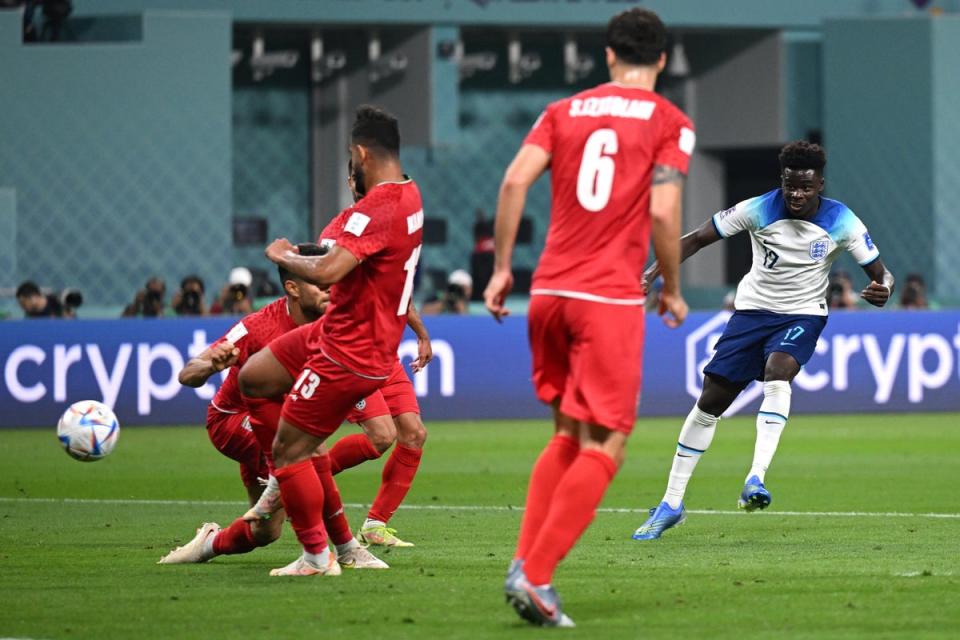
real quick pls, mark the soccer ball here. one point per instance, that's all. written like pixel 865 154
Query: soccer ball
pixel 88 430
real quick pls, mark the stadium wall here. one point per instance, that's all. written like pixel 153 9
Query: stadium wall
pixel 891 90
pixel 120 154
pixel 864 362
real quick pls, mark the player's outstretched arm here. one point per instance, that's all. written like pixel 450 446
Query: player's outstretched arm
pixel 212 360
pixel 666 195
pixel 704 235
pixel 424 348
pixel 528 165
pixel 323 271
pixel 880 289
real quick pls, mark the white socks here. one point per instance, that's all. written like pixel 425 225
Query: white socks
pixel 695 438
pixel 771 419
pixel 372 523
pixel 347 546
pixel 318 560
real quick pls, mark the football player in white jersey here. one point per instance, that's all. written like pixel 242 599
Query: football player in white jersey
pixel 780 311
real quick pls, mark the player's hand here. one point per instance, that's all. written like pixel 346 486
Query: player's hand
pixel 223 355
pixel 650 276
pixel 673 309
pixel 495 295
pixel 279 247
pixel 424 355
pixel 876 294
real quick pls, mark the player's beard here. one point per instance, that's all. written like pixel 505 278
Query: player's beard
pixel 359 186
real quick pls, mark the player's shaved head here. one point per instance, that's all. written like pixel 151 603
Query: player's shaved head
pixel 637 37
pixel 376 129
pixel 801 155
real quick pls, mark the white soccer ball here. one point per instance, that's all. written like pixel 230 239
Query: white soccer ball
pixel 88 430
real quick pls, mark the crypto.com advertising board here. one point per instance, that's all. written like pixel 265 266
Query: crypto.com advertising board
pixel 865 362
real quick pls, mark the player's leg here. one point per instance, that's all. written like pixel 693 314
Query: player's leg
pixel 738 359
pixel 404 461
pixel 379 432
pixel 317 404
pixel 397 478
pixel 264 375
pixel 550 348
pixel 350 553
pixel 602 394
pixel 791 345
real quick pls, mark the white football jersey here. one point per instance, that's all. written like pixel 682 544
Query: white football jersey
pixel 792 257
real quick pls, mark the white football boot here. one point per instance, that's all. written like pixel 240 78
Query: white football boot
pixel 360 558
pixel 197 550
pixel 302 567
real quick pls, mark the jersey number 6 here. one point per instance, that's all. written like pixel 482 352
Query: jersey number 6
pixel 595 180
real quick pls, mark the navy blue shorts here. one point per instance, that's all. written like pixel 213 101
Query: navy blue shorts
pixel 751 336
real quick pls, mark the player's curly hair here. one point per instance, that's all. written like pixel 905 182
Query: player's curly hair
pixel 801 154
pixel 637 36
pixel 375 127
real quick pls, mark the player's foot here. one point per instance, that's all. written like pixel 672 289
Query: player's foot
pixel 268 504
pixel 197 550
pixel 661 518
pixel 537 605
pixel 379 535
pixel 754 495
pixel 302 567
pixel 361 558
pixel 515 566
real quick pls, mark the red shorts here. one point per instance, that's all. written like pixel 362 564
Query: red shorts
pixel 590 355
pixel 396 396
pixel 323 395
pixel 230 433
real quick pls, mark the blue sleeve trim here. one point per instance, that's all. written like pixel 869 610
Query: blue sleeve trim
pixel 870 261
pixel 713 219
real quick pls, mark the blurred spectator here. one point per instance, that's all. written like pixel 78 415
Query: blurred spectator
pixel 456 299
pixel 235 297
pixel 189 301
pixel 482 232
pixel 37 305
pixel 914 293
pixel 840 293
pixel 729 301
pixel 149 301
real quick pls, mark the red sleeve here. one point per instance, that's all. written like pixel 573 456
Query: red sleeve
pixel 677 142
pixel 541 134
pixel 364 234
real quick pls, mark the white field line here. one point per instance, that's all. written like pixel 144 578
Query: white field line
pixel 440 507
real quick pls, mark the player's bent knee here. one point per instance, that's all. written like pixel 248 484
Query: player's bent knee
pixel 410 430
pixel 381 432
pixel 291 445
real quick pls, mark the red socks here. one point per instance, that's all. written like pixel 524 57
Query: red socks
pixel 302 494
pixel 237 538
pixel 553 462
pixel 338 528
pixel 397 477
pixel 572 509
pixel 351 451
pixel 264 421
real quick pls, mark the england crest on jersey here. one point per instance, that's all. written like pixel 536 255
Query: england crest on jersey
pixel 819 248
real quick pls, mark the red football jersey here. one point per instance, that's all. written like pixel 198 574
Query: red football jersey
pixel 250 335
pixel 364 322
pixel 604 143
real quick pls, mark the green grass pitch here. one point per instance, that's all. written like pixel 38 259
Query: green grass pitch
pixel 78 542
